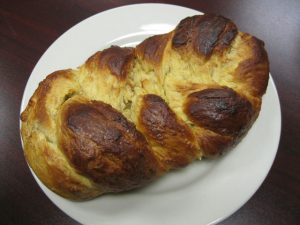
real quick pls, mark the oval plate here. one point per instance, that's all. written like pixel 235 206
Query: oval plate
pixel 205 192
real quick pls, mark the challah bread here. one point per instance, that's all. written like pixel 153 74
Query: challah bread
pixel 129 115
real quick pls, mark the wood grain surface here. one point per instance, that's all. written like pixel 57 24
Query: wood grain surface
pixel 28 27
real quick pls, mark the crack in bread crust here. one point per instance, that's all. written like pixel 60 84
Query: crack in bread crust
pixel 129 115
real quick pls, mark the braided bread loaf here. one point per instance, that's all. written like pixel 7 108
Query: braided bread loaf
pixel 128 115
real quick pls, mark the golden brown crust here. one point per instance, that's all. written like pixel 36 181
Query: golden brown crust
pixel 214 144
pixel 39 134
pixel 128 115
pixel 151 49
pixel 253 70
pixel 115 59
pixel 161 126
pixel 42 94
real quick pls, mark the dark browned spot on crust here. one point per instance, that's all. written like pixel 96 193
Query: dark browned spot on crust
pixel 152 48
pixel 226 36
pixel 205 33
pixel 117 60
pixel 184 32
pixel 160 124
pixel 220 110
pixel 254 70
pixel 102 144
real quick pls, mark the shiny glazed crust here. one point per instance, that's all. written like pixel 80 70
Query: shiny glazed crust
pixel 129 115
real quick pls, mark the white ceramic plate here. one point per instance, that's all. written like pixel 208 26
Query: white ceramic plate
pixel 203 193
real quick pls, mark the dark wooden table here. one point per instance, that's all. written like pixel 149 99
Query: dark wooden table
pixel 28 27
